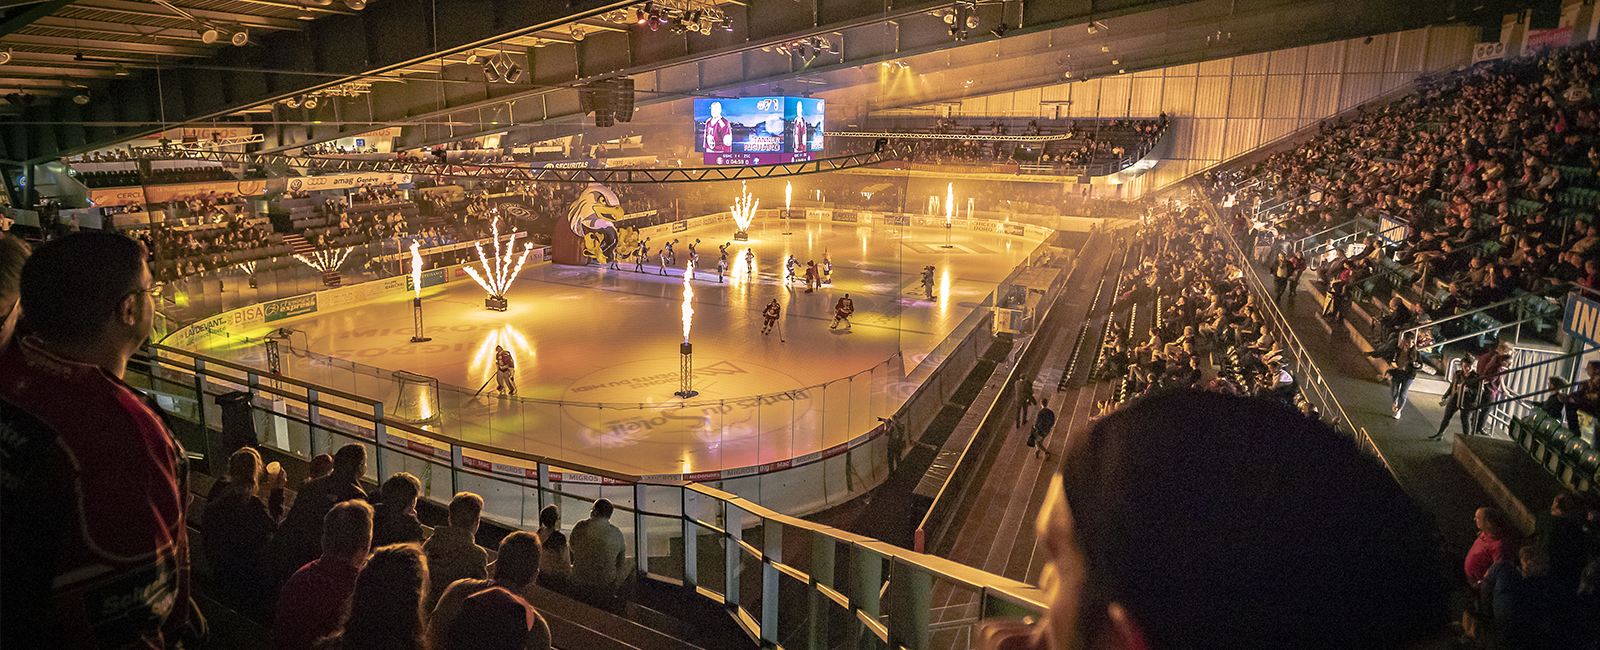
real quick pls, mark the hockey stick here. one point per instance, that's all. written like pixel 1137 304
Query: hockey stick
pixel 485 385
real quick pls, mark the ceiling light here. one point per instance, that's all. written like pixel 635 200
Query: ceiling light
pixel 972 21
pixel 705 28
pixel 311 101
pixel 5 57
pixel 210 35
pixel 950 18
pixel 292 102
pixel 577 33
pixel 356 5
pixel 240 38
pixel 472 58
pixel 81 97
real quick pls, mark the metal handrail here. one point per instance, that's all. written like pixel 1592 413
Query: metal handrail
pixel 1419 327
pixel 1300 243
pixel 1441 344
pixel 1569 355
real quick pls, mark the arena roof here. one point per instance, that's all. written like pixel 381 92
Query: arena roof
pixel 136 68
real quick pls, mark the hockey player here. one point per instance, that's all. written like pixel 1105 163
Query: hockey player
pixel 722 262
pixel 827 268
pixel 813 276
pixel 641 255
pixel 842 311
pixel 789 266
pixel 927 281
pixel 504 370
pixel 770 315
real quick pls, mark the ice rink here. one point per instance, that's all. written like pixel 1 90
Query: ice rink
pixel 597 350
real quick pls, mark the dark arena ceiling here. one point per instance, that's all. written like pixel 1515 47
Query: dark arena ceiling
pixel 85 74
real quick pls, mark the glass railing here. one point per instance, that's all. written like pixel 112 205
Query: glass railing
pixel 786 580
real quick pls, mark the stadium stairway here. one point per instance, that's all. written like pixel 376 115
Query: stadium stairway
pixel 299 246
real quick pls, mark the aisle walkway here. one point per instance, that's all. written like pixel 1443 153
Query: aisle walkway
pixel 1424 468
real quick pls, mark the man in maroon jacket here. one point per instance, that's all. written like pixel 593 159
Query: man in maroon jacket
pixel 93 484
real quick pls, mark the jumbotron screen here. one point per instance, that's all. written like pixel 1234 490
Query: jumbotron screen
pixel 762 127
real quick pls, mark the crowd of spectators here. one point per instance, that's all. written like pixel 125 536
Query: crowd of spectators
pixel 1207 331
pixel 1090 143
pixel 175 253
pixel 1495 172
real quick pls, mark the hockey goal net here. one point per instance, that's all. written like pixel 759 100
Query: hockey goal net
pixel 415 398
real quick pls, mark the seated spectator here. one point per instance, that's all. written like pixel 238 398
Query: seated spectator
pixel 555 563
pixel 315 599
pixel 1497 540
pixel 1561 533
pixel 385 604
pixel 297 539
pixel 493 619
pixel 515 570
pixel 1524 605
pixel 94 525
pixel 394 519
pixel 1329 560
pixel 238 528
pixel 599 557
pixel 452 552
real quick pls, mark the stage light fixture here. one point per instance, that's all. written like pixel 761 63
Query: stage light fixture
pixel 999 31
pixel 81 97
pixel 705 28
pixel 356 5
pixel 210 35
pixel 972 22
pixel 292 102
pixel 240 38
pixel 311 101
pixel 642 16
pixel 319 3
pixel 120 70
pixel 577 33
pixel 472 58
pixel 5 56
pixel 950 18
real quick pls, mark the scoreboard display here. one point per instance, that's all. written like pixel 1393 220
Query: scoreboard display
pixel 758 130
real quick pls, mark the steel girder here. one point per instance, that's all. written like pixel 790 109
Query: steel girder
pixel 520 173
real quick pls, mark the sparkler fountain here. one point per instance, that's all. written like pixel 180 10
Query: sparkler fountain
pixel 788 189
pixel 327 262
pixel 498 276
pixel 686 350
pixel 949 206
pixel 416 298
pixel 744 212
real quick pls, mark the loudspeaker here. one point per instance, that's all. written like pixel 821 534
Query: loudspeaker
pixel 622 99
pixel 585 100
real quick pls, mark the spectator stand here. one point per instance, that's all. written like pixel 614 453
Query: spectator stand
pixel 1040 146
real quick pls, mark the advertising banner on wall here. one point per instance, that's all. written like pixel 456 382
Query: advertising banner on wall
pixel 289 307
pixel 116 196
pixel 1539 39
pixel 345 181
pixel 164 193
